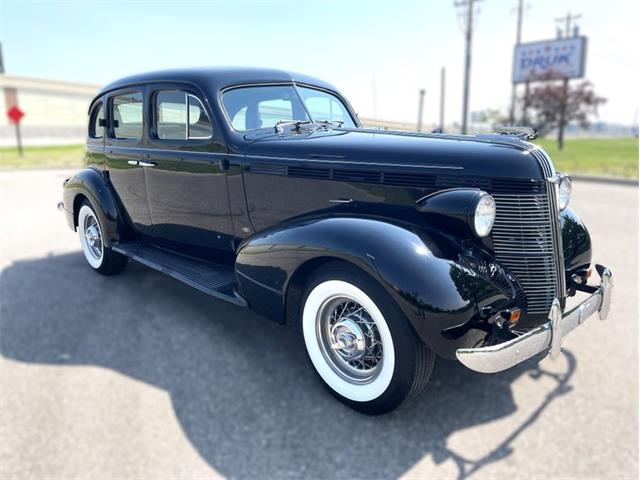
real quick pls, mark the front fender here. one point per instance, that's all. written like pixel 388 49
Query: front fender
pixel 576 242
pixel 93 184
pixel 419 269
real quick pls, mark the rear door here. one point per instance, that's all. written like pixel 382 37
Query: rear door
pixel 186 181
pixel 123 152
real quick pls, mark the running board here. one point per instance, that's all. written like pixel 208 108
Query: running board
pixel 213 279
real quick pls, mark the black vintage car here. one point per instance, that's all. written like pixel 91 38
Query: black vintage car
pixel 385 249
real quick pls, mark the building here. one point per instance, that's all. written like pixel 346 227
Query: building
pixel 55 111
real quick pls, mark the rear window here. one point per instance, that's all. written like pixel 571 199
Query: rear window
pixel 127 116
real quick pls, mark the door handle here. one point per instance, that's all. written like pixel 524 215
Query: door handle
pixel 142 163
pixel 132 162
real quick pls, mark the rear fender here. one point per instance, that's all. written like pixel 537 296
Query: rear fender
pixel 95 186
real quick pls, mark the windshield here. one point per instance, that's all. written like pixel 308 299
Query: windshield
pixel 251 108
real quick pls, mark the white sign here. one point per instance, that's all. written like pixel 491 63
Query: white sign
pixel 549 60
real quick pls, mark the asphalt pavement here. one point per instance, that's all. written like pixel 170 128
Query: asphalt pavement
pixel 138 376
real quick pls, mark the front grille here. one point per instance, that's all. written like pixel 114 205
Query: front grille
pixel 523 242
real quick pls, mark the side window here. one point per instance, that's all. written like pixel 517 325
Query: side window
pixel 199 123
pixel 180 116
pixel 127 116
pixel 96 122
pixel 171 115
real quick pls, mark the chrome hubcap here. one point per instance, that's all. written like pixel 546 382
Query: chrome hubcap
pixel 347 339
pixel 350 340
pixel 92 237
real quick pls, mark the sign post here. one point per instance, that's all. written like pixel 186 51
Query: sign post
pixel 15 114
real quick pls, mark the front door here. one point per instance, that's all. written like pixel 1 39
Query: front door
pixel 186 183
pixel 122 154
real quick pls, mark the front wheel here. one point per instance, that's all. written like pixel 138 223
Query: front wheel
pixel 100 257
pixel 360 342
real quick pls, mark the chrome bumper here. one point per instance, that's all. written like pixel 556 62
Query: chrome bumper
pixel 548 337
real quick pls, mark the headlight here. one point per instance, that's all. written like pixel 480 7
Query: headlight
pixel 564 192
pixel 485 215
pixel 465 210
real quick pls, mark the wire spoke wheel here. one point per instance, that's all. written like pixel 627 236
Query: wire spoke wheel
pixel 350 339
pixel 91 236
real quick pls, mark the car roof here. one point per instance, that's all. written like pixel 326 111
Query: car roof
pixel 213 79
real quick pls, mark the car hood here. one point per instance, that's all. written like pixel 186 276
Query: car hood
pixel 487 156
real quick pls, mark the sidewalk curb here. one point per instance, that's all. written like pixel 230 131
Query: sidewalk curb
pixel 611 180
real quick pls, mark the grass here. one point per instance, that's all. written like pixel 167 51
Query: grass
pixel 617 157
pixel 593 156
pixel 42 157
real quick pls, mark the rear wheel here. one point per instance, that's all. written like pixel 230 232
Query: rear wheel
pixel 99 256
pixel 359 341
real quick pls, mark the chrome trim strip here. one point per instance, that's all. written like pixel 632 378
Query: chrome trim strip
pixel 548 337
pixel 288 159
pixel 314 160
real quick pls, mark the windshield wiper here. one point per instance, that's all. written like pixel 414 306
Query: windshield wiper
pixel 295 123
pixel 330 122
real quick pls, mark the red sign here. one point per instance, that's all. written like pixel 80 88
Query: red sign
pixel 15 114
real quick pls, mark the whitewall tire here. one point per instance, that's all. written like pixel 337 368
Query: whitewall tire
pixel 91 233
pixel 343 295
pixel 359 341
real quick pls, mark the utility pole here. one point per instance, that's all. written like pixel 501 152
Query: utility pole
pixel 374 98
pixel 420 108
pixel 512 111
pixel 567 19
pixel 468 33
pixel 442 80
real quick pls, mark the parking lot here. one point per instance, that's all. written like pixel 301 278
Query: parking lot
pixel 139 376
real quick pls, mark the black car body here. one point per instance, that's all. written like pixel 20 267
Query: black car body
pixel 248 208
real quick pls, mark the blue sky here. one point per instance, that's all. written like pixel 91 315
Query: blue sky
pixel 379 53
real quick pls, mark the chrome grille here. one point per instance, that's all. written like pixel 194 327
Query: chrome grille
pixel 523 238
